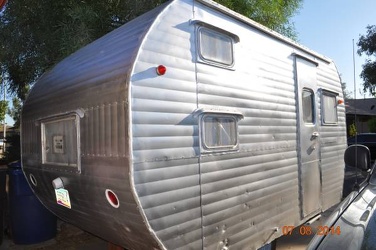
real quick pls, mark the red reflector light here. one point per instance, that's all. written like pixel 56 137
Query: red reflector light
pixel 112 198
pixel 340 101
pixel 161 70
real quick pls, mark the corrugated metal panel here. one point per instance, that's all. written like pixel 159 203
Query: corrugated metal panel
pixel 165 133
pixel 94 81
pixel 239 190
pixel 332 141
pixel 188 199
pixel 104 131
pixel 247 195
pixel 30 138
pixel 93 76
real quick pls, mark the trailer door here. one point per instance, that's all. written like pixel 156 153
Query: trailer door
pixel 309 172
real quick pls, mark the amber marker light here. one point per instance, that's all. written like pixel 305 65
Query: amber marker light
pixel 161 70
pixel 340 101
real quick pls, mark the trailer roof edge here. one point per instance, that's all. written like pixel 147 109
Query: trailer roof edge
pixel 262 28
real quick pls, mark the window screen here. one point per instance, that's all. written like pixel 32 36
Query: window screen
pixel 60 141
pixel 219 132
pixel 329 108
pixel 308 106
pixel 215 47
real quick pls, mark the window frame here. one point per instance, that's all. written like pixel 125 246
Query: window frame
pixel 325 93
pixel 75 119
pixel 221 148
pixel 200 47
pixel 313 112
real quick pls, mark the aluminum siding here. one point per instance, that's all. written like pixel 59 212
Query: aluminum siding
pixel 248 195
pixel 93 80
pixel 188 200
pixel 164 131
pixel 332 141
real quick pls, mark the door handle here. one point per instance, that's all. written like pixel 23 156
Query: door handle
pixel 314 135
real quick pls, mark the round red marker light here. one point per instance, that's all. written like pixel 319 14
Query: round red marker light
pixel 112 198
pixel 2 3
pixel 161 70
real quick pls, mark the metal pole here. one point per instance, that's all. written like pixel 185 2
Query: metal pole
pixel 356 185
pixel 354 89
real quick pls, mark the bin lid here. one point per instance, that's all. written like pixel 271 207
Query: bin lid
pixel 14 164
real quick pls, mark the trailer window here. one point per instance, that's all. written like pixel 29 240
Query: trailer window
pixel 329 108
pixel 308 106
pixel 215 47
pixel 60 141
pixel 219 132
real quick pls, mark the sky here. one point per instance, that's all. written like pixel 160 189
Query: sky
pixel 329 28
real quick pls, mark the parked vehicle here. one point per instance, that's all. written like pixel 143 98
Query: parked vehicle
pixel 189 127
pixel 353 224
pixel 366 139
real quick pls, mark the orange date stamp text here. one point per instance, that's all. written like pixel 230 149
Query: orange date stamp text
pixel 308 230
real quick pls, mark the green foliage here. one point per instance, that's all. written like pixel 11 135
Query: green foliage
pixel 274 14
pixel 3 109
pixel 372 125
pixel 13 151
pixel 367 45
pixel 15 111
pixel 346 93
pixel 36 34
pixel 352 130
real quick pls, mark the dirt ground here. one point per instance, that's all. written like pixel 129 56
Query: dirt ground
pixel 68 237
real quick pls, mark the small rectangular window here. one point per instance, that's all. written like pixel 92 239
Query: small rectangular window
pixel 219 132
pixel 215 47
pixel 329 108
pixel 308 102
pixel 60 141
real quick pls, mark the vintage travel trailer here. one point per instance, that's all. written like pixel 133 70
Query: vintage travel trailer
pixel 190 127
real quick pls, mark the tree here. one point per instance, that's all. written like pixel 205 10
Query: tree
pixel 3 104
pixel 346 93
pixel 367 45
pixel 3 109
pixel 36 34
pixel 372 125
pixel 273 14
pixel 352 129
pixel 15 111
